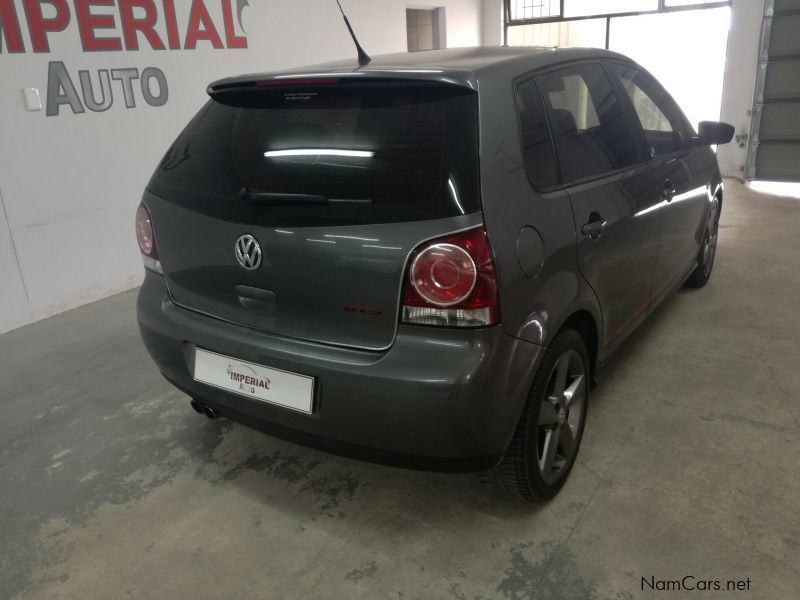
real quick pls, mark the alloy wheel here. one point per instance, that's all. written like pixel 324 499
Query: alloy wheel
pixel 560 416
pixel 710 245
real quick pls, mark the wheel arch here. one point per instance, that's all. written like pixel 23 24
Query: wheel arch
pixel 585 324
pixel 717 195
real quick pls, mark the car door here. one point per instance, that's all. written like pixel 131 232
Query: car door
pixel 600 156
pixel 682 202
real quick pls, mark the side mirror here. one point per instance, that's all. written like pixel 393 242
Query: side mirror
pixel 713 133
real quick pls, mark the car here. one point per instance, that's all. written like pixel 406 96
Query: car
pixel 425 260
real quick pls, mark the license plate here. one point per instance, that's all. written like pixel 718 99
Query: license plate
pixel 254 381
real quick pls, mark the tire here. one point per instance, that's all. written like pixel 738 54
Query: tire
pixel 708 251
pixel 551 421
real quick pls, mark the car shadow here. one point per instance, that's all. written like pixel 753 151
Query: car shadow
pixel 314 486
pixel 311 485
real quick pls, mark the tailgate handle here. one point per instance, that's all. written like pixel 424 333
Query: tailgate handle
pixel 256 299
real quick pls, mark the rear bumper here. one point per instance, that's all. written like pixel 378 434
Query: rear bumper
pixel 437 399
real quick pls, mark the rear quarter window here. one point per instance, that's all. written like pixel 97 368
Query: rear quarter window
pixel 537 144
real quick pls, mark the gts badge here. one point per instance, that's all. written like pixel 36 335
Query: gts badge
pixel 364 310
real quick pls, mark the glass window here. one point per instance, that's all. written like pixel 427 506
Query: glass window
pixel 662 121
pixel 581 8
pixel 592 129
pixel 572 95
pixel 650 116
pixel 701 45
pixel 357 153
pixel 534 9
pixel 537 146
pixel 585 33
pixel 422 27
pixel 688 2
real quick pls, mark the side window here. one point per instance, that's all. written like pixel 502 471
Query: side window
pixel 537 145
pixel 592 127
pixel 662 121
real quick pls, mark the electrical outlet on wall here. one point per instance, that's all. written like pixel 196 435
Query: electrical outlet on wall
pixel 33 101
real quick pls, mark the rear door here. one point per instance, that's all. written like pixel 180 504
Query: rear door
pixel 682 201
pixel 612 197
pixel 335 182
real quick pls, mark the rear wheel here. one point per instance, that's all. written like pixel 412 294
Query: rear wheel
pixel 549 432
pixel 708 252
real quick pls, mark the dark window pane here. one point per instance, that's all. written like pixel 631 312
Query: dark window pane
pixel 663 123
pixel 592 129
pixel 406 152
pixel 537 146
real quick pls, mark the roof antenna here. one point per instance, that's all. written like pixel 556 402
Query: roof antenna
pixel 363 57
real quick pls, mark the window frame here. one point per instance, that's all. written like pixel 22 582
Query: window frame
pixel 633 120
pixel 662 8
pixel 550 16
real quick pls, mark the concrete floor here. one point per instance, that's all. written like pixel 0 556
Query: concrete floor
pixel 111 487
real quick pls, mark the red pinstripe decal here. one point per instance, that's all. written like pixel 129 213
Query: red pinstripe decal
pixel 643 307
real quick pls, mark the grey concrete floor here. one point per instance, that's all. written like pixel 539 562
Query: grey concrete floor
pixel 111 487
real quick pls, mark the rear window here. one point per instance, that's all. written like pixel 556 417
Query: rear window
pixel 338 154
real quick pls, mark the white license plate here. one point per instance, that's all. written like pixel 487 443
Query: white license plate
pixel 254 381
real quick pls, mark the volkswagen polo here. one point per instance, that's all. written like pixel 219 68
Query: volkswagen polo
pixel 427 260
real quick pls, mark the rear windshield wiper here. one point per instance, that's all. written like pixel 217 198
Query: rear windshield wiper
pixel 278 198
pixel 358 201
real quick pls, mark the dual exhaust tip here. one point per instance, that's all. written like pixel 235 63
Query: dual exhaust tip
pixel 203 409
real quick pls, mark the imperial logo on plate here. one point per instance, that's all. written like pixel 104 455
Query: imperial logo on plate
pixel 247 378
pixel 258 382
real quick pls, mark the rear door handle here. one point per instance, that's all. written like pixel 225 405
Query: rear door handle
pixel 595 227
pixel 668 191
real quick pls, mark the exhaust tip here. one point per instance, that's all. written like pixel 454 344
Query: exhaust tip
pixel 210 412
pixel 196 406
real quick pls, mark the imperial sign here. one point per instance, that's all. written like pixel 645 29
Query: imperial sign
pixel 128 24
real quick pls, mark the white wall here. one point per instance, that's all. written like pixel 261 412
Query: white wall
pixel 70 184
pixel 739 83
pixel 492 23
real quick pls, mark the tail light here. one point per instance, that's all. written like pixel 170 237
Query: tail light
pixel 451 282
pixel 147 241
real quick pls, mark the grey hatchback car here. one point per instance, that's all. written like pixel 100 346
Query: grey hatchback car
pixel 425 261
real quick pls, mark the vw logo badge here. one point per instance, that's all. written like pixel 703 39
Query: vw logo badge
pixel 248 252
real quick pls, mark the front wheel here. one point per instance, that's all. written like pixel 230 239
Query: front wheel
pixel 708 252
pixel 548 435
